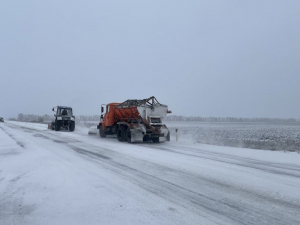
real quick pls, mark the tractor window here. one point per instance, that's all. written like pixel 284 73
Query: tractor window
pixel 64 112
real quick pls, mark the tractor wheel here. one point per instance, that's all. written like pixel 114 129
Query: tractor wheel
pixel 128 135
pixel 72 126
pixel 57 125
pixel 121 134
pixel 101 132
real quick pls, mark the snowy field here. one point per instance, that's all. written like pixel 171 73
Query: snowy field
pixel 49 177
pixel 269 136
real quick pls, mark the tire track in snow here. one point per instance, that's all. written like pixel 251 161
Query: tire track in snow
pixel 275 168
pixel 203 197
pixel 216 202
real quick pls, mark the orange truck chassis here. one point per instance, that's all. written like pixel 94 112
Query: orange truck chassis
pixel 135 120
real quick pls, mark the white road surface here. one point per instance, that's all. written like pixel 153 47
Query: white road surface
pixel 49 177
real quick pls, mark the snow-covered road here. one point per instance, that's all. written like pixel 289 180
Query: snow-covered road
pixel 49 177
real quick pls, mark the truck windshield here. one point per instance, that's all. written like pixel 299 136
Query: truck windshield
pixel 155 120
pixel 64 112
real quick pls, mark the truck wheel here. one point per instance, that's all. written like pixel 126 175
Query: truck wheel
pixel 57 125
pixel 155 139
pixel 145 138
pixel 121 134
pixel 128 135
pixel 101 132
pixel 72 126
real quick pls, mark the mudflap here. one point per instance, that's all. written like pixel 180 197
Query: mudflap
pixel 162 139
pixel 164 130
pixel 137 135
pixel 168 138
pixel 93 130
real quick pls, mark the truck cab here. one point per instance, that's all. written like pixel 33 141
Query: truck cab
pixel 107 118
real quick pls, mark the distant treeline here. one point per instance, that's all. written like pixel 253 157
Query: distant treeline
pixel 46 118
pixel 228 119
pixel 31 117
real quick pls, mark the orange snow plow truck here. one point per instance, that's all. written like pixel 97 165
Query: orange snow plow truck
pixel 135 121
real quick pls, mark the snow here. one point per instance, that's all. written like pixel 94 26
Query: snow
pixel 93 130
pixel 49 177
pixel 269 136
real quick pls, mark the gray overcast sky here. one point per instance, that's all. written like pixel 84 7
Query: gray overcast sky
pixel 201 58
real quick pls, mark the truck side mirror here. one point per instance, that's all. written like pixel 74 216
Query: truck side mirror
pixel 102 109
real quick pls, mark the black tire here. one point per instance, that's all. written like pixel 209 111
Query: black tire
pixel 121 134
pixel 72 126
pixel 145 138
pixel 128 135
pixel 155 139
pixel 102 132
pixel 57 125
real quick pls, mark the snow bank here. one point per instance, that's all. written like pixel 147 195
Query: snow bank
pixel 245 135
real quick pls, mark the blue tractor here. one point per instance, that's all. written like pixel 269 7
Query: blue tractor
pixel 63 119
